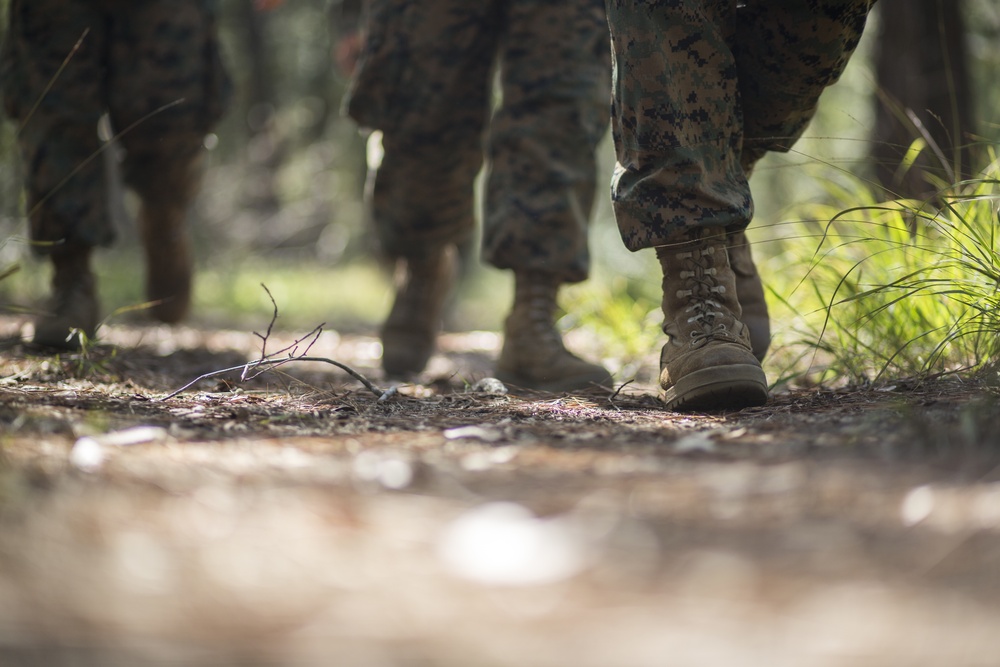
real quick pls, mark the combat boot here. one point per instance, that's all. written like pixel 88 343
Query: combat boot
pixel 750 292
pixel 533 354
pixel 409 334
pixel 707 363
pixel 168 253
pixel 72 310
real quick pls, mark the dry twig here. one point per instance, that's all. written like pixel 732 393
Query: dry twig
pixel 268 362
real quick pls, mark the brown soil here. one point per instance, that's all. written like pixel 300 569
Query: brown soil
pixel 295 519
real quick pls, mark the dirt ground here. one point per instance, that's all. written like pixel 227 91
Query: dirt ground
pixel 296 519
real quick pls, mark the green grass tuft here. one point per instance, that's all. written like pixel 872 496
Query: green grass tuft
pixel 894 289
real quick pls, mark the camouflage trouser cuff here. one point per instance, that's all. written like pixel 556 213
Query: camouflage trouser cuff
pixel 561 275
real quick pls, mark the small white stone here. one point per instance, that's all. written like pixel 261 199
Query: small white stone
pixel 504 544
pixel 87 454
pixel 917 505
pixel 491 386
pixel 695 442
pixel 486 434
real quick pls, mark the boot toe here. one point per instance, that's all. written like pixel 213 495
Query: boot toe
pixel 65 330
pixel 728 387
pixel 71 316
pixel 557 383
pixel 558 372
pixel 405 353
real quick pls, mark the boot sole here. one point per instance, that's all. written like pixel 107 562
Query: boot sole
pixel 719 388
pixel 59 340
pixel 556 386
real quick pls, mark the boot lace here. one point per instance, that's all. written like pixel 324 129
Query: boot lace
pixel 701 290
pixel 538 314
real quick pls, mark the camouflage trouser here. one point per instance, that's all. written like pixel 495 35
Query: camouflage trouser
pixel 426 81
pixel 702 89
pixel 134 58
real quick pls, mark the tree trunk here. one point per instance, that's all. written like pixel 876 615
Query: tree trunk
pixel 922 70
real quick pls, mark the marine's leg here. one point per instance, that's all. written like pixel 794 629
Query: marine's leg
pixel 679 187
pixel 424 81
pixel 53 88
pixel 167 89
pixel 555 75
pixel 787 53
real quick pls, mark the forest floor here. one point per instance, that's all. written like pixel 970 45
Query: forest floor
pixel 295 519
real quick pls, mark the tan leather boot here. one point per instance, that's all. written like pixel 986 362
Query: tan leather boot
pixel 533 354
pixel 72 309
pixel 707 362
pixel 167 244
pixel 750 292
pixel 409 334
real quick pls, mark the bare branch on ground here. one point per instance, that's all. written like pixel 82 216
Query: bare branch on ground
pixel 268 362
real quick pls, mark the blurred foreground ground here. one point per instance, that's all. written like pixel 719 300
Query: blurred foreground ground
pixel 295 520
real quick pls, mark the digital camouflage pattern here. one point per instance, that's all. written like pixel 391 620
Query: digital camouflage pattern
pixel 135 57
pixel 702 90
pixel 425 79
